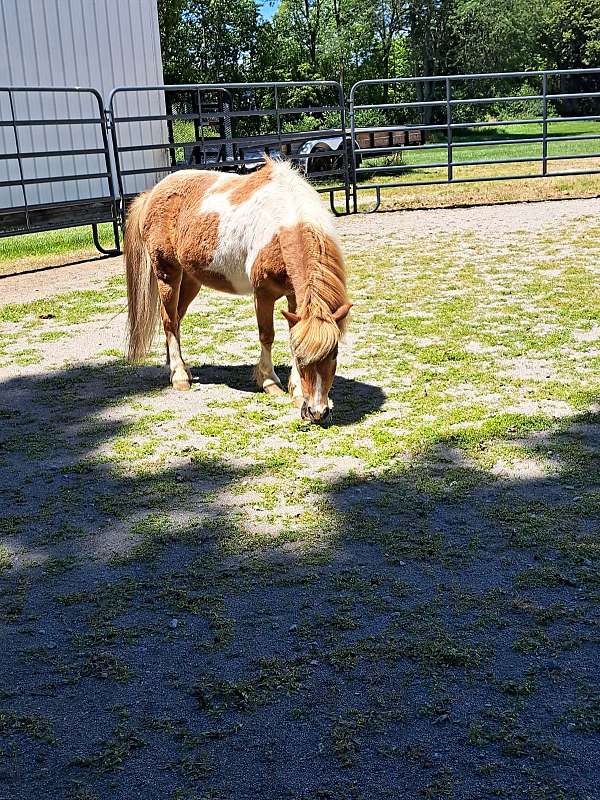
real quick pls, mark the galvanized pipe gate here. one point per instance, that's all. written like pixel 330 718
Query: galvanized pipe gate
pixel 444 171
pixel 144 133
pixel 61 116
pixel 242 149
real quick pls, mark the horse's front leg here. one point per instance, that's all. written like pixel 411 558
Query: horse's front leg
pixel 264 303
pixel 294 384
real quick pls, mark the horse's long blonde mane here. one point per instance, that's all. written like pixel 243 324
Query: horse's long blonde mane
pixel 319 260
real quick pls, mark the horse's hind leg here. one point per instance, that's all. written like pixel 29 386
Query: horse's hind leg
pixel 169 284
pixel 264 303
pixel 188 290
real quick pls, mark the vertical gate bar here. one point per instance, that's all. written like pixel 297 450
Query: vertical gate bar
pixel 353 152
pixel 342 109
pixel 109 170
pixel 115 148
pixel 201 129
pixel 196 121
pixel 449 129
pixel 277 119
pixel 19 159
pixel 170 130
pixel 545 124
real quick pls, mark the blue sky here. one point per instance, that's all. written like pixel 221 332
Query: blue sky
pixel 268 8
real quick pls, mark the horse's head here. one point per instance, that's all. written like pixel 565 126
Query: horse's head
pixel 314 342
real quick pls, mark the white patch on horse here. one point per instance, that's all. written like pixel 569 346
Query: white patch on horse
pixel 246 228
pixel 317 402
pixel 229 256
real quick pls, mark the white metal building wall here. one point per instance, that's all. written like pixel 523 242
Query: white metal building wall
pixel 98 43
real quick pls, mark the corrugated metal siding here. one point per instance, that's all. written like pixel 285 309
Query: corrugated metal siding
pixel 98 43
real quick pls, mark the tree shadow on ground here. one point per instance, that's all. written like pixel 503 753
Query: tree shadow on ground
pixel 438 639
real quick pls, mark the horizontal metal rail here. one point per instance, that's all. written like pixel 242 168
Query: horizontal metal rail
pixel 252 141
pixel 366 151
pixel 215 115
pixel 54 153
pixel 474 76
pixel 86 176
pixel 499 123
pixel 474 163
pixel 22 123
pixel 473 101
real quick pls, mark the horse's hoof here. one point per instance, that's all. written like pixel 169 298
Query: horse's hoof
pixel 274 390
pixel 182 386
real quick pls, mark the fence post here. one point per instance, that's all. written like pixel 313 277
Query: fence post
pixel 104 126
pixel 345 145
pixel 545 124
pixel 277 120
pixel 112 127
pixel 201 124
pixel 352 164
pixel 449 129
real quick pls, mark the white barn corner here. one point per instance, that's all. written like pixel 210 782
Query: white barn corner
pixel 93 43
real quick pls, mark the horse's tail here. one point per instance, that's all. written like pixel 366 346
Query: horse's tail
pixel 142 288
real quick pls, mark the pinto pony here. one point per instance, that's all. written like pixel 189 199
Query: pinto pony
pixel 266 234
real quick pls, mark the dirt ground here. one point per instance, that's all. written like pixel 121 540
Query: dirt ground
pixel 202 598
pixel 358 232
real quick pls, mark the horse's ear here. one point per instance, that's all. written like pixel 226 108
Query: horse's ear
pixel 342 312
pixel 290 316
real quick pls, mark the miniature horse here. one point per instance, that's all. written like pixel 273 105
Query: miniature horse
pixel 266 233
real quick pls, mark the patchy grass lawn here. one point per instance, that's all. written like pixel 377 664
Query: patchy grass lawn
pixel 402 604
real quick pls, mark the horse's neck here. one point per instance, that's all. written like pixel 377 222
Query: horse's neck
pixel 307 255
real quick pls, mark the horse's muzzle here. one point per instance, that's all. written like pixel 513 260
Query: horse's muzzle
pixel 309 414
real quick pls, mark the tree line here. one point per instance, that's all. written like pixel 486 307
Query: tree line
pixel 348 40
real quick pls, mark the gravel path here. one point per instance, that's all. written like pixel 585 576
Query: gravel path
pixel 358 232
pixel 40 282
pixel 361 230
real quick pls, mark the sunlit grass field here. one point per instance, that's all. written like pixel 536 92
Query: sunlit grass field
pixel 409 167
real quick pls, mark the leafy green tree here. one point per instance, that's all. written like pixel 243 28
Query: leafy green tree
pixel 220 40
pixel 571 33
pixel 494 35
pixel 176 42
pixel 208 40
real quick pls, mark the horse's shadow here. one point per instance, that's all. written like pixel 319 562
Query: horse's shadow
pixel 353 400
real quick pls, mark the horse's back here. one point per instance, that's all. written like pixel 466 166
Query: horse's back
pixel 221 222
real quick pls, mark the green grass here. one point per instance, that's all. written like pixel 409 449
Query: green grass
pixel 67 241
pixel 70 308
pixel 516 150
pixel 494 191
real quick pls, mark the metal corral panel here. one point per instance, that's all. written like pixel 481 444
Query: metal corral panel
pixel 97 43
